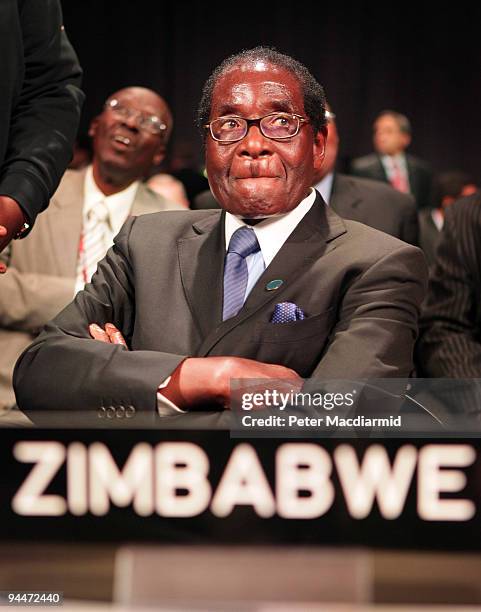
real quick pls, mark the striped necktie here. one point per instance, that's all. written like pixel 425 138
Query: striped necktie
pixel 242 244
pixel 94 241
pixel 398 179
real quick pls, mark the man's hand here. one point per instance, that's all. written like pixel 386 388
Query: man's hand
pixel 11 220
pixel 109 335
pixel 206 380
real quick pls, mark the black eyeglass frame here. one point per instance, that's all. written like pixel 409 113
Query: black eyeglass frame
pixel 248 122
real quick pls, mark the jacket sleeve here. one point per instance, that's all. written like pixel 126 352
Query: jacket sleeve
pixel 45 114
pixel 88 373
pixel 410 225
pixel 28 299
pixel 378 320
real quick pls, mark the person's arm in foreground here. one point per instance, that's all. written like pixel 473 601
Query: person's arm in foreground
pixel 43 120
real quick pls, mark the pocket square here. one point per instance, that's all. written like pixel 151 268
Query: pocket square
pixel 287 312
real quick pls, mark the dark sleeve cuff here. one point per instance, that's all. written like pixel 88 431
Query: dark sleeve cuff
pixel 25 189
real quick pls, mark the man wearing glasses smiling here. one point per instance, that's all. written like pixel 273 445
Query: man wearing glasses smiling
pixel 274 286
pixel 86 212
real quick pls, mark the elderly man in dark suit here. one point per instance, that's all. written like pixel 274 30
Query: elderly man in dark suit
pixel 274 286
pixel 391 164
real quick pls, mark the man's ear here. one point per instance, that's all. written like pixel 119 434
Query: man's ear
pixel 93 127
pixel 319 148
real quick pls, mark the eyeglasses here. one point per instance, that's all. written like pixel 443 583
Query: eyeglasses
pixel 148 123
pixel 275 125
pixel 330 116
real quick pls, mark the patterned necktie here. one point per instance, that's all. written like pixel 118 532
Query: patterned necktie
pixel 242 243
pixel 94 242
pixel 398 178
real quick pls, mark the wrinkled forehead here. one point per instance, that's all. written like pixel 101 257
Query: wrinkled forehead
pixel 256 86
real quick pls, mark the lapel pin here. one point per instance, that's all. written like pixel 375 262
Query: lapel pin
pixel 274 284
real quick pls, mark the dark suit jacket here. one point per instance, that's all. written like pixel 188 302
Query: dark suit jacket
pixel 450 344
pixel 40 101
pixel 379 206
pixel 363 200
pixel 205 201
pixel 420 175
pixel 161 285
pixel 429 235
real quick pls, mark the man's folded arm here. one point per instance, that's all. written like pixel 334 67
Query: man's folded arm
pixel 66 369
pixel 378 320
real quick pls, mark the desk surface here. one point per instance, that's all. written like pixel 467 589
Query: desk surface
pixel 87 573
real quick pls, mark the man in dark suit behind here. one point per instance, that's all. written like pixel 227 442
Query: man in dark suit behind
pixel 364 200
pixel 391 164
pixel 450 343
pixel 274 286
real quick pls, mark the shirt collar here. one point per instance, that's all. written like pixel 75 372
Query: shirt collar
pixel 271 232
pixel 324 187
pixel 438 218
pixel 119 204
pixel 400 160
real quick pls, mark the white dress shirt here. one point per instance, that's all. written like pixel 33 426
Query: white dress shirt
pixel 438 219
pixel 119 206
pixel 271 234
pixel 324 187
pixel 388 164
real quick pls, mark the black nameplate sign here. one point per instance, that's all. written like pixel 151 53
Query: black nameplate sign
pixel 203 487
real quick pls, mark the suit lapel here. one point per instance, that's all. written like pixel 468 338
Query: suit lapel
pixel 381 171
pixel 413 176
pixel 201 261
pixel 65 222
pixel 311 239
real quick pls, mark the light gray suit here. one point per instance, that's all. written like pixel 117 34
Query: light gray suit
pixel 40 280
pixel 162 284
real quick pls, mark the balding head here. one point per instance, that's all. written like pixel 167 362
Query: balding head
pixel 151 103
pixel 312 91
pixel 130 135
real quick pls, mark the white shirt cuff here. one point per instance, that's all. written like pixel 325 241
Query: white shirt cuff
pixel 164 406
